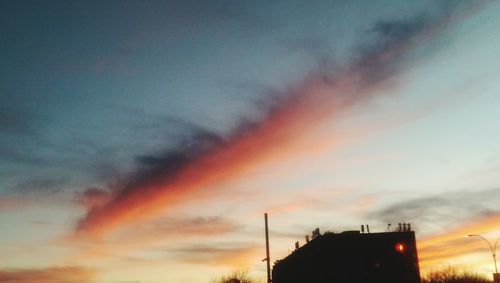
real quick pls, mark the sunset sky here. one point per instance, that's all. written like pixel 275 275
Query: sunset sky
pixel 142 141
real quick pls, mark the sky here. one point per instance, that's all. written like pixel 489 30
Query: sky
pixel 142 141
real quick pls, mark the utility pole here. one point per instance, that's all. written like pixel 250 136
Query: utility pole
pixel 267 259
pixel 496 275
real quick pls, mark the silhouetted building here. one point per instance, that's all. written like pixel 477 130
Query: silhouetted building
pixel 352 257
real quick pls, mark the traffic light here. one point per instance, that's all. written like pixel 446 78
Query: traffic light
pixel 400 248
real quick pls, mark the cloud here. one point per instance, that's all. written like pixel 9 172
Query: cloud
pixel 441 210
pixel 398 30
pixel 93 197
pixel 202 226
pixel 447 247
pixel 18 116
pixel 40 185
pixel 68 274
pixel 207 159
pixel 153 235
pixel 443 221
pixel 12 203
pixel 230 254
pixel 150 232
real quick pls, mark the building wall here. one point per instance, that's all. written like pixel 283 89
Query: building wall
pixel 352 258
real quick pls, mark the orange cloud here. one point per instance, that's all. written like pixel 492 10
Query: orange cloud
pixel 49 275
pixel 445 248
pixel 268 141
pixel 321 96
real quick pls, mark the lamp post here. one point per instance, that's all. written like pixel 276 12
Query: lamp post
pixel 496 275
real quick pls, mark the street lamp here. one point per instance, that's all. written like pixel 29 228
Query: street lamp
pixel 496 275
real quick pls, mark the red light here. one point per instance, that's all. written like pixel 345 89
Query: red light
pixel 400 247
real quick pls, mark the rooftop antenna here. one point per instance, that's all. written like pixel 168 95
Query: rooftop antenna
pixel 315 233
pixel 267 259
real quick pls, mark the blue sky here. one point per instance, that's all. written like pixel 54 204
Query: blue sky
pixel 155 134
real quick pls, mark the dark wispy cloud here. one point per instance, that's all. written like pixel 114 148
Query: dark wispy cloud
pixel 92 197
pixel 231 254
pixel 450 208
pixel 20 124
pixel 16 119
pixel 53 111
pixel 398 30
pixel 157 234
pixel 202 226
pixel 180 227
pixel 41 185
pixel 12 203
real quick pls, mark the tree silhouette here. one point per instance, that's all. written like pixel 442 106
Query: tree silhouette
pixel 451 275
pixel 238 276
